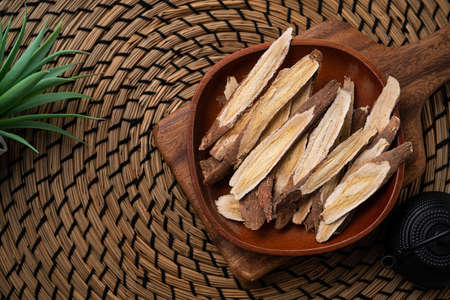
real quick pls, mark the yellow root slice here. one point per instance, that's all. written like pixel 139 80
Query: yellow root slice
pixel 249 89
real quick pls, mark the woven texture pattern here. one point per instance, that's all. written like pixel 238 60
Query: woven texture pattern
pixel 108 220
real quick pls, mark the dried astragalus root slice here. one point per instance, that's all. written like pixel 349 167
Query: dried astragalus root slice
pixel 267 154
pixel 264 190
pixel 327 169
pixel 259 119
pixel 363 182
pixel 228 207
pixel 263 158
pixel 225 150
pixel 337 159
pixel 275 98
pixel 359 118
pixel 256 206
pixel 287 164
pixel 312 219
pixel 251 211
pixel 214 170
pixel 249 89
pixel 381 111
pixel 303 210
pixel 280 118
pixel 325 231
pixel 230 140
pixel 230 87
pixel 320 141
pixel 319 198
pixel 284 215
pixel 265 196
pixel 346 129
pixel 303 95
pixel 269 111
pixel 380 143
pixel 324 135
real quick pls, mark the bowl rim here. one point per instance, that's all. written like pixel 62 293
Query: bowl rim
pixel 398 177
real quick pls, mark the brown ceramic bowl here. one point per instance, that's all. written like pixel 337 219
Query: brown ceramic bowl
pixel 338 61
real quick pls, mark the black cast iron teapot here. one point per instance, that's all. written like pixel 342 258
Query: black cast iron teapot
pixel 418 240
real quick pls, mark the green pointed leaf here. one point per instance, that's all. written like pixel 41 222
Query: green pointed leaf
pixel 16 73
pixel 42 126
pixel 43 116
pixel 2 47
pixel 47 83
pixel 40 87
pixel 58 70
pixel 9 98
pixel 43 50
pixel 9 60
pixel 3 41
pixel 36 65
pixel 18 139
pixel 36 42
pixel 42 99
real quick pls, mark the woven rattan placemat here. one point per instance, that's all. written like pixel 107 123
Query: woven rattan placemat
pixel 108 220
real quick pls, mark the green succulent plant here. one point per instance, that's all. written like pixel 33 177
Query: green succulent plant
pixel 23 83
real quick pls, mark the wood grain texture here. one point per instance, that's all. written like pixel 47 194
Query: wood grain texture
pixel 420 68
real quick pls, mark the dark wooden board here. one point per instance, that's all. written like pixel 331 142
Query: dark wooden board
pixel 420 68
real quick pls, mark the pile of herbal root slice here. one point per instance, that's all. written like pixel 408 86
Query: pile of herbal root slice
pixel 295 156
